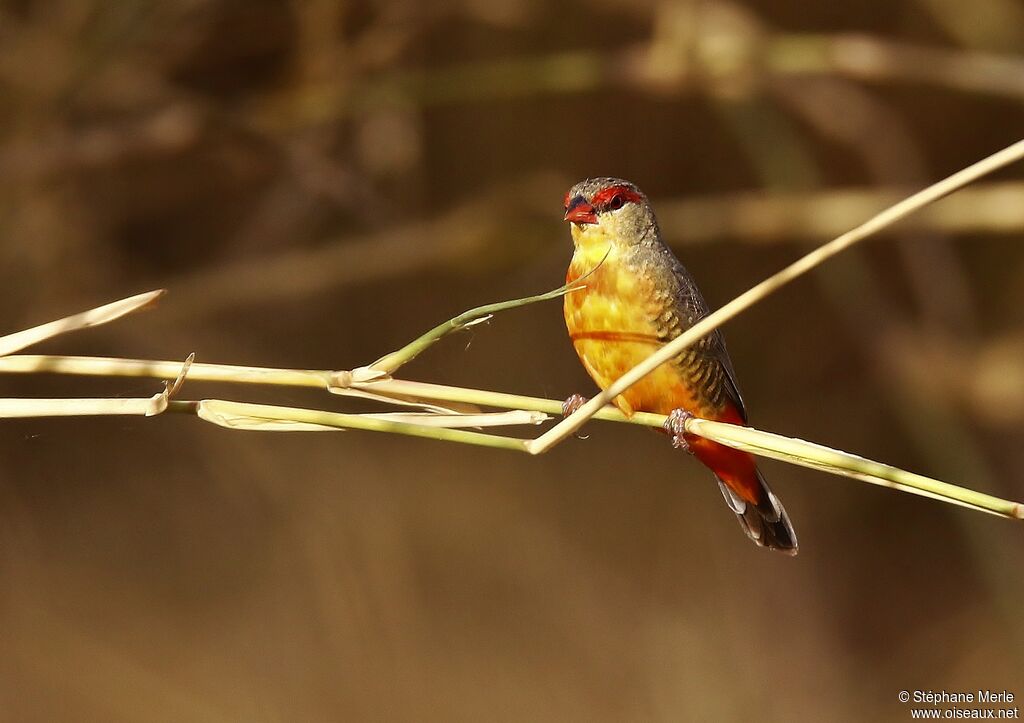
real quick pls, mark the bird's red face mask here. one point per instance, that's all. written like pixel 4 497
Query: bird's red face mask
pixel 577 210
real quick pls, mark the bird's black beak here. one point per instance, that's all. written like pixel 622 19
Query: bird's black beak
pixel 579 211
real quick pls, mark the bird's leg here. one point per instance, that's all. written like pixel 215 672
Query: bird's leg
pixel 675 425
pixel 573 403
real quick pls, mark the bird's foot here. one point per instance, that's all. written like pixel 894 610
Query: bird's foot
pixel 573 403
pixel 675 425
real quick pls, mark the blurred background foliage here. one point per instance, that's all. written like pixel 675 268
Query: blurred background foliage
pixel 317 182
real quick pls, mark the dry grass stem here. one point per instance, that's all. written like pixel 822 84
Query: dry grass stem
pixel 94 317
pixel 393 361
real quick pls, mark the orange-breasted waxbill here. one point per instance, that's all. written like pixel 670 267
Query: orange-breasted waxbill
pixel 636 297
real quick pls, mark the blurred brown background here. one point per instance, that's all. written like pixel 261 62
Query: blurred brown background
pixel 318 182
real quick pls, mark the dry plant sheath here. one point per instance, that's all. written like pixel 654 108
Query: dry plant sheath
pixel 444 404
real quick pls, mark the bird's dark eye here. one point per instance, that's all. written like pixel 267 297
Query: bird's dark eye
pixel 617 202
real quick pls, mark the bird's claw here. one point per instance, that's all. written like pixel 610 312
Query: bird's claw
pixel 573 403
pixel 675 425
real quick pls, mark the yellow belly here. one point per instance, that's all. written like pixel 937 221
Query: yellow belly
pixel 610 324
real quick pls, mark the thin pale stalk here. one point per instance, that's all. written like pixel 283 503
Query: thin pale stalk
pixel 443 393
pixel 94 317
pixel 74 407
pixel 834 461
pixel 198 371
pixel 511 418
pixel 392 362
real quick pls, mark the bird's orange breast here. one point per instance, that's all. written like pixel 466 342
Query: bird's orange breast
pixel 611 323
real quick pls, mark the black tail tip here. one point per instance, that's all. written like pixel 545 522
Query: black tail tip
pixel 778 535
pixel 766 523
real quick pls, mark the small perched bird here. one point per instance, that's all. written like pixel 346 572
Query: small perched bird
pixel 636 297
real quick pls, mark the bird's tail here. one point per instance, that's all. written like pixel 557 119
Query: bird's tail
pixel 765 520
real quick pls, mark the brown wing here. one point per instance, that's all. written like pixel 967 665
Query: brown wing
pixel 680 305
